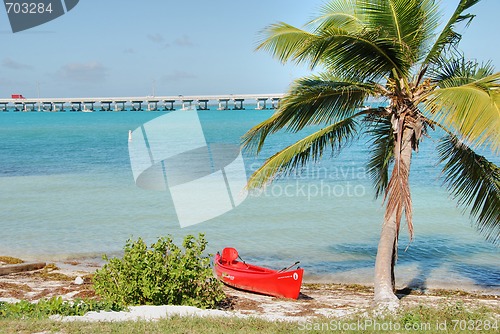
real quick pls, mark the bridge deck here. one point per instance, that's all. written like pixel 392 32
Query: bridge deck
pixel 122 99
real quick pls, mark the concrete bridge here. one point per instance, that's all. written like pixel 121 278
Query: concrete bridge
pixel 148 103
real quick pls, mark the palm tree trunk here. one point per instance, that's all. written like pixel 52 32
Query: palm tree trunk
pixel 385 261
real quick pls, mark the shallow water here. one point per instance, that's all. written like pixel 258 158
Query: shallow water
pixel 67 191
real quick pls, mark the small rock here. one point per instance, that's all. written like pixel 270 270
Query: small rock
pixel 79 280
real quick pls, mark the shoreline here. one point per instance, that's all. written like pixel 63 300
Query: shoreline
pixel 316 301
pixel 72 280
pixel 85 266
pixel 66 272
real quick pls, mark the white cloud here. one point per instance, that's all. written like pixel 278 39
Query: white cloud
pixel 184 40
pixel 156 38
pixel 83 72
pixel 14 65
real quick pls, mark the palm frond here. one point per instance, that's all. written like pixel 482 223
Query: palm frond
pixel 382 151
pixel 285 42
pixel 398 196
pixel 311 101
pixel 342 14
pixel 475 182
pixel 367 54
pixel 339 42
pixel 449 38
pixel 457 71
pixel 310 148
pixel 409 22
pixel 470 107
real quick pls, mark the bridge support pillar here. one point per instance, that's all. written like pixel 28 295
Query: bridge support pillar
pixel 137 105
pixel 153 105
pixel 238 104
pixel 106 105
pixel 18 106
pixel 275 103
pixel 223 104
pixel 76 106
pixel 29 106
pixel 203 104
pixel 120 105
pixel 47 106
pixel 169 105
pixel 3 106
pixel 187 104
pixel 261 103
pixel 88 106
pixel 60 105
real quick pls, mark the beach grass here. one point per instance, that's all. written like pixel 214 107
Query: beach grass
pixel 172 325
pixel 442 318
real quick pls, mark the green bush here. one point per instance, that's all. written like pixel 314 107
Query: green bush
pixel 162 274
pixel 55 305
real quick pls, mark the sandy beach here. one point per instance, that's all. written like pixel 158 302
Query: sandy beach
pixel 72 280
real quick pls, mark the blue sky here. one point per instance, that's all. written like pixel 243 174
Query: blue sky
pixel 129 48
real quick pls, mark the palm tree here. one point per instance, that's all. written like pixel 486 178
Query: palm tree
pixel 394 51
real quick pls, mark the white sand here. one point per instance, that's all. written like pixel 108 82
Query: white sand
pixel 147 313
pixel 152 313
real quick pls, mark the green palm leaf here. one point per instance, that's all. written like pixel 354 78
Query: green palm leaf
pixel 409 22
pixel 471 109
pixel 310 148
pixel 457 71
pixel 286 42
pixel 449 37
pixel 366 54
pixel 341 42
pixel 343 14
pixel 475 182
pixel 311 101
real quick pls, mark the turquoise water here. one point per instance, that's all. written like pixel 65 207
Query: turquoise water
pixel 67 191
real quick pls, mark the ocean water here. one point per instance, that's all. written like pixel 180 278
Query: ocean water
pixel 67 192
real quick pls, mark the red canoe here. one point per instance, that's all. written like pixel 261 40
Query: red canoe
pixel 282 283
